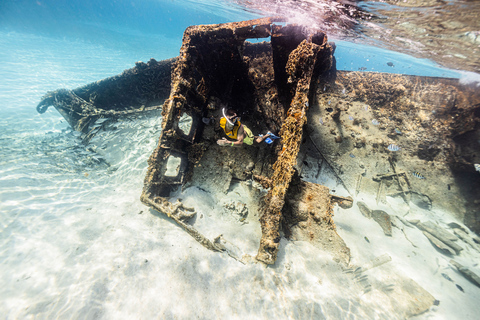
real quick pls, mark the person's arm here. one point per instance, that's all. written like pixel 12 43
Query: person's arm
pixel 259 139
pixel 240 137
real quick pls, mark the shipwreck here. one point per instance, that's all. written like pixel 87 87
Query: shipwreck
pixel 346 121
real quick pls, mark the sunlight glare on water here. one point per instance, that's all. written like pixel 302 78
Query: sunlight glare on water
pixel 75 240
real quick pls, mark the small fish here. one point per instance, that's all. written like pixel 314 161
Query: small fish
pixel 360 277
pixel 362 68
pixel 397 131
pixel 101 120
pixel 389 287
pixel 351 155
pixel 375 122
pixel 446 277
pixel 306 103
pixel 350 118
pixel 418 175
pixel 477 167
pixel 393 147
pixel 243 219
pixel 344 91
pixel 390 64
pixel 459 288
pixel 320 120
pixel 366 239
pixel 329 101
pixel 324 88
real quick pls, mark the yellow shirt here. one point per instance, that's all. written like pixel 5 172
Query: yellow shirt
pixel 248 139
pixel 231 134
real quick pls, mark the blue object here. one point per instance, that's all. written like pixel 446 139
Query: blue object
pixel 272 136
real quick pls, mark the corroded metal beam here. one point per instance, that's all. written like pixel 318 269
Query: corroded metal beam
pixel 300 69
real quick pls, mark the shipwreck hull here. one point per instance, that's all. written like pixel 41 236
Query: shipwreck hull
pixel 268 85
pixel 359 121
pixel 287 85
pixel 391 136
pixel 141 88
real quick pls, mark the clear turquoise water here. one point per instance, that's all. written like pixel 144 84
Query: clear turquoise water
pixel 75 240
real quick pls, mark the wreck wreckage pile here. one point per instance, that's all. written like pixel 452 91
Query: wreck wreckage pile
pixel 199 76
pixel 354 123
pixel 268 83
pixel 356 115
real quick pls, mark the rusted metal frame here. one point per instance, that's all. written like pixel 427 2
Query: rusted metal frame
pixel 178 213
pixel 169 143
pixel 300 67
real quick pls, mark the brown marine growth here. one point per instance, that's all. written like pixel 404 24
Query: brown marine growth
pixel 268 83
pixel 435 121
pixel 300 68
pixel 215 63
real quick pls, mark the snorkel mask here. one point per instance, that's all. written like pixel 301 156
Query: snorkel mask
pixel 229 122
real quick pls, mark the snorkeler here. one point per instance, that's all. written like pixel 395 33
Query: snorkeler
pixel 238 132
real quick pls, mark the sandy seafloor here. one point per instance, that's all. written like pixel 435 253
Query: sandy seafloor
pixel 76 242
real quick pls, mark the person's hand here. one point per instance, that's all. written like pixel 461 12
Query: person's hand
pixel 222 142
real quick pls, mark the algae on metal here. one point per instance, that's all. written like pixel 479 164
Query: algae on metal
pixel 275 85
pixel 210 65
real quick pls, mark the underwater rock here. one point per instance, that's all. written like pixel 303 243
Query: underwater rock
pixel 439 244
pixel 383 219
pixel 416 297
pixel 343 202
pixel 364 209
pixel 237 210
pixel 308 216
pixel 465 237
pixel 437 116
pixel 405 222
pixel 467 273
pixel 421 200
pixel 393 289
pixel 455 225
pixel 441 234
pixel 380 216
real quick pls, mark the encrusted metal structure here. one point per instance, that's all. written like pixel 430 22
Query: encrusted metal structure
pixel 215 63
pixel 136 90
pixel 355 117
